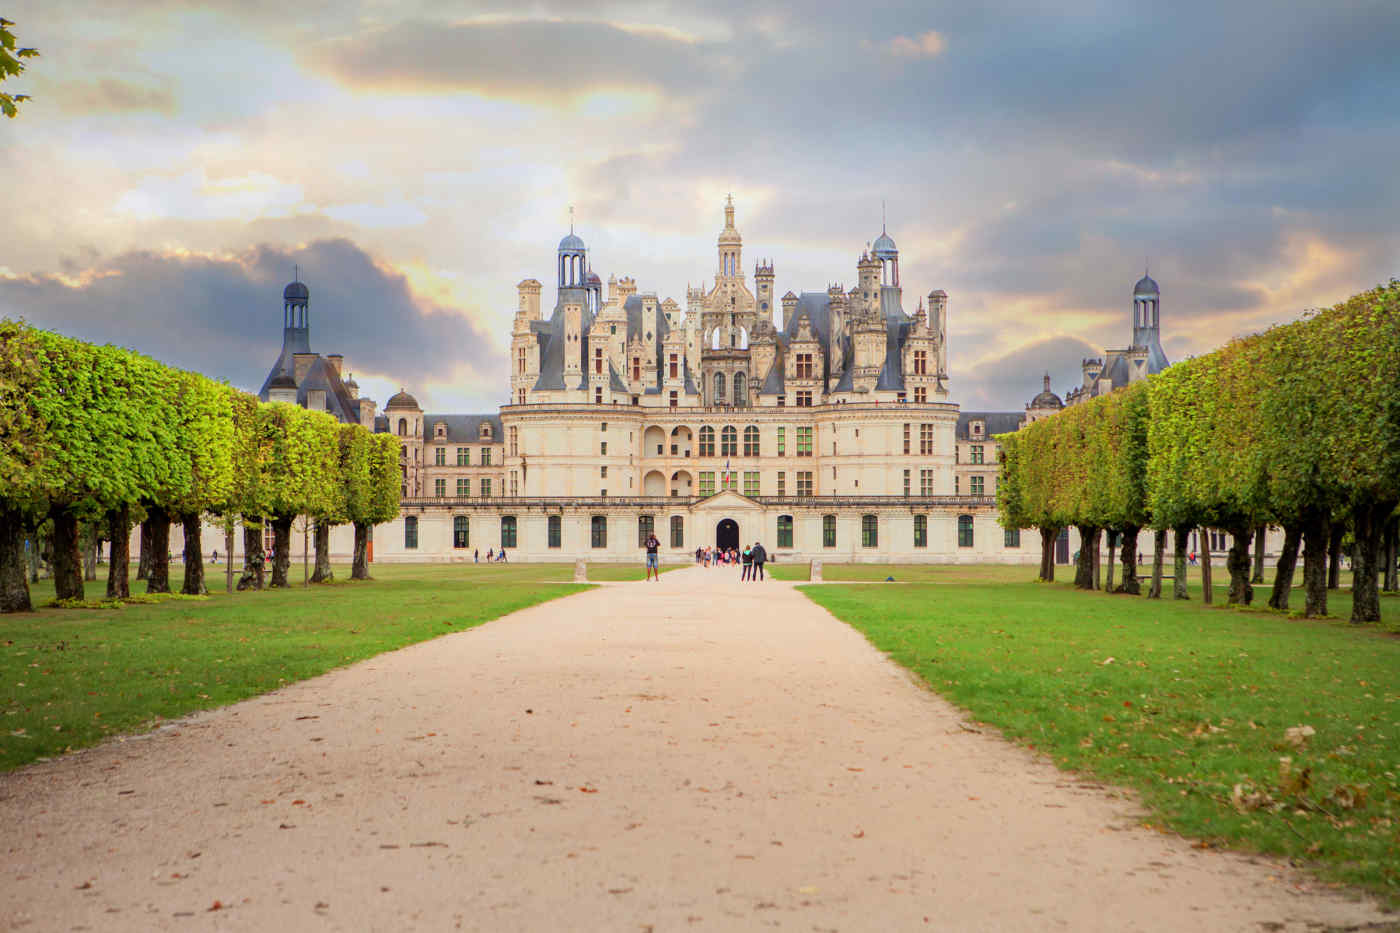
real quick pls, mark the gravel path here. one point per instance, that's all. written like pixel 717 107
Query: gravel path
pixel 695 753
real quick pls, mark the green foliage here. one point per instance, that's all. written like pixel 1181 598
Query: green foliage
pixel 300 469
pixel 385 480
pixel 11 65
pixel 23 429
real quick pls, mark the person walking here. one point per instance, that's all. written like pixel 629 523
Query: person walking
pixel 476 556
pixel 653 558
pixel 748 563
pixel 760 557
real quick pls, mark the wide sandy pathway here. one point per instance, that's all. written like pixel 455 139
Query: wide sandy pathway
pixel 697 753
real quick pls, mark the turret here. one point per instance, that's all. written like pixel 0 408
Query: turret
pixel 529 291
pixel 763 284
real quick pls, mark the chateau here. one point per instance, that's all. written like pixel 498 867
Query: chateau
pixel 818 423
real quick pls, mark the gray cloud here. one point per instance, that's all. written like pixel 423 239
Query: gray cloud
pixel 108 95
pixel 1009 381
pixel 223 316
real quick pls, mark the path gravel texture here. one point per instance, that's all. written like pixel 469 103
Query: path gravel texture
pixel 697 753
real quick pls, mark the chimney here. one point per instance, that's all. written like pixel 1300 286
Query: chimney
pixel 367 413
pixel 316 399
pixel 335 360
pixel 302 363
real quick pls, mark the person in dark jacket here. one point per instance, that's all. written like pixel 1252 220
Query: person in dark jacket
pixel 747 558
pixel 760 557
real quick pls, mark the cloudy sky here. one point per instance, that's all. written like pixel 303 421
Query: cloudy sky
pixel 418 159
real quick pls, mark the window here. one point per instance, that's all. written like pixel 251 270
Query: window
pixel 677 531
pixel 514 483
pixel 964 531
pixel 906 437
pixel 976 454
pixel 707 483
pixel 925 482
pixel 603 427
pixel 925 440
pixel 440 456
pixel 957 484
pixel 440 488
pixel 804 366
pixel 804 442
pixel 675 400
pixel 486 456
pixel 731 480
pixel 741 390
pixel 403 427
pixel 782 442
pixel 728 441
pixel 920 531
pixel 782 483
pixel 464 487
pixel 804 398
pixel 784 531
pixel 782 401
pixel 598 361
pixel 751 483
pixel 920 394
pixel 603 449
pixel 603 472
pixel 636 369
pixel 507 531
pixel 906 483
pixel 869 531
pixel 464 456
pixel 646 527
pixel 597 395
pixel 675 366
pixel 1011 537
pixel 520 360
pixel 410 532
pixel 751 441
pixel 555 529
pixel 514 441
pixel 828 531
pixel 975 485
pixel 804 482
pixel 719 387
pixel 485 432
pixel 599 531
pixel 461 532
pixel 707 441
pixel 920 362
pixel 486 487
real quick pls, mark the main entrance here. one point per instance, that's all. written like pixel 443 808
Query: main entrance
pixel 727 534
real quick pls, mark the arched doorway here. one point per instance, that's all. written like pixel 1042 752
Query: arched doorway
pixel 727 534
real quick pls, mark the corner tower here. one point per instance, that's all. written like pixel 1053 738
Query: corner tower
pixel 1147 323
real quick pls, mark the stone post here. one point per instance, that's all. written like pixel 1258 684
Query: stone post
pixel 815 575
pixel 580 572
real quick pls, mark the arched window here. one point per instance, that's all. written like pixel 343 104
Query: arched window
pixel 507 531
pixel 729 441
pixel 784 531
pixel 556 528
pixel 410 532
pixel 677 531
pixel 751 441
pixel 741 389
pixel 707 441
pixel 461 532
pixel 719 387
pixel 599 529
pixel 869 531
pixel 964 531
pixel 403 427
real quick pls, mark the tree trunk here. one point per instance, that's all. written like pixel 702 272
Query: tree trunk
pixel 1112 544
pixel 1097 559
pixel 1315 561
pixel 119 560
pixel 359 567
pixel 32 550
pixel 1207 585
pixel 323 572
pixel 281 549
pixel 67 557
pixel 1047 554
pixel 1084 565
pixel 1287 563
pixel 1237 561
pixel 1389 554
pixel 228 554
pixel 1159 544
pixel 1180 537
pixel 143 567
pixel 1334 553
pixel 1129 556
pixel 1260 539
pixel 252 555
pixel 194 555
pixel 158 580
pixel 1368 521
pixel 14 586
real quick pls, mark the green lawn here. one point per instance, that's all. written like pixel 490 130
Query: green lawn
pixel 1189 705
pixel 71 677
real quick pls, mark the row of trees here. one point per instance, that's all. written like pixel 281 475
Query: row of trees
pixel 101 434
pixel 1297 427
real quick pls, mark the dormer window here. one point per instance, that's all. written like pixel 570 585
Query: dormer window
pixel 485 431
pixel 976 429
pixel 439 430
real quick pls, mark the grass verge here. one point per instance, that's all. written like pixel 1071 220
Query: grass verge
pixel 72 677
pixel 1188 705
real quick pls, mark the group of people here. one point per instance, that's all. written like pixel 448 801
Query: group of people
pixel 492 556
pixel 751 558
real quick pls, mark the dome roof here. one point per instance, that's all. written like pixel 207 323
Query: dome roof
pixel 571 242
pixel 296 291
pixel 593 279
pixel 883 247
pixel 282 381
pixel 402 400
pixel 1047 399
pixel 1145 286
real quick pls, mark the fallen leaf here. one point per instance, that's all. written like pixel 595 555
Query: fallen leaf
pixel 217 905
pixel 858 834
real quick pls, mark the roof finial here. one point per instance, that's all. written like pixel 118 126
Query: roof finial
pixel 882 215
pixel 571 220
pixel 296 273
